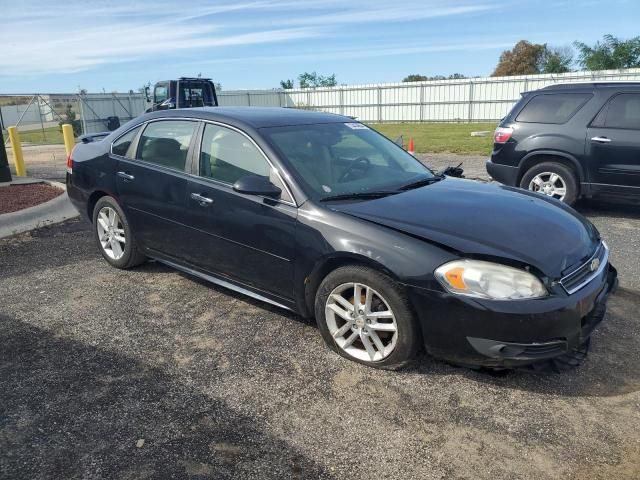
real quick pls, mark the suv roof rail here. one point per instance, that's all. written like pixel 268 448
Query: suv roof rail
pixel 595 83
pixel 193 78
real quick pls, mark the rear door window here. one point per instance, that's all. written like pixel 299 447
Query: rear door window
pixel 553 108
pixel 166 143
pixel 624 112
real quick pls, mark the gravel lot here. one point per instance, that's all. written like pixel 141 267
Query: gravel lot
pixel 150 373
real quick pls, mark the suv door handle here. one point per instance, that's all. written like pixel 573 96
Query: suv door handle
pixel 201 199
pixel 601 139
pixel 126 176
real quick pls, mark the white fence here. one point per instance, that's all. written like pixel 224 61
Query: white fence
pixel 467 100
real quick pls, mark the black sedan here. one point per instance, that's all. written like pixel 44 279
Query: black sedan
pixel 319 214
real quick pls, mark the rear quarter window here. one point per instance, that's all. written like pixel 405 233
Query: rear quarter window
pixel 122 145
pixel 553 107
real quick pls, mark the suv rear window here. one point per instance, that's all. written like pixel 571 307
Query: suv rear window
pixel 552 108
pixel 623 112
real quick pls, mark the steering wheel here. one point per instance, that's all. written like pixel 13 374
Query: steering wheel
pixel 361 162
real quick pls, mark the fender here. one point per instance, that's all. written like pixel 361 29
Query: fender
pixel 556 153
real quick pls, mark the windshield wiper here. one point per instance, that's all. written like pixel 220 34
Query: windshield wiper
pixel 422 182
pixel 360 195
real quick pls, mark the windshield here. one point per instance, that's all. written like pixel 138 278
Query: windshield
pixel 332 159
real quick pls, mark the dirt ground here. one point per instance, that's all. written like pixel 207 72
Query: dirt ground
pixel 150 373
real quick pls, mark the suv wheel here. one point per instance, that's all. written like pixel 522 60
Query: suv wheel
pixel 364 316
pixel 552 179
pixel 113 235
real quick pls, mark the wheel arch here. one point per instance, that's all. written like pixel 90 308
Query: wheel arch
pixel 328 264
pixel 541 156
pixel 91 203
pixel 93 200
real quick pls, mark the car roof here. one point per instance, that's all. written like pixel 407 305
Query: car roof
pixel 255 117
pixel 590 85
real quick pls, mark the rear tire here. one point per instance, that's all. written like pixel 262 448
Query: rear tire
pixel 113 235
pixel 549 178
pixel 381 328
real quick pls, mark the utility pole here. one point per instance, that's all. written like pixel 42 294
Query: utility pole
pixel 5 173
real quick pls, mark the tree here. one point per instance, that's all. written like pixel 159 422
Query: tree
pixel 414 77
pixel 528 58
pixel 556 60
pixel 523 59
pixel 612 53
pixel 286 84
pixel 313 80
pixel 70 118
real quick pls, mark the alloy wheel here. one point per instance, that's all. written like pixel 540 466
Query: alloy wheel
pixel 549 183
pixel 111 233
pixel 361 322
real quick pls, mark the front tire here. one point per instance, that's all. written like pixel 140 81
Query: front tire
pixel 365 316
pixel 113 235
pixel 552 179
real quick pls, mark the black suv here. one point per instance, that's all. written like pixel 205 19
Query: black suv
pixel 570 141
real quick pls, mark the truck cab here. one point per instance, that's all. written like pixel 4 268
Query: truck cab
pixel 182 93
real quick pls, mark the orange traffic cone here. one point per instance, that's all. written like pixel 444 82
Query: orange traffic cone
pixel 412 147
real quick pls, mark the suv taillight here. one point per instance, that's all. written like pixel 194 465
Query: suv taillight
pixel 70 162
pixel 502 134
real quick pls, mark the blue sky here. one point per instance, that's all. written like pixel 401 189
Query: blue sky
pixel 48 46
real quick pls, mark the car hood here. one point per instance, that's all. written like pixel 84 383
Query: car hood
pixel 481 219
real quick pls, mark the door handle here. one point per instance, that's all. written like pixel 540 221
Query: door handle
pixel 126 176
pixel 201 199
pixel 601 139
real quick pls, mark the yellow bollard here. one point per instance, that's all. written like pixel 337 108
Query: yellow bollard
pixel 69 139
pixel 16 146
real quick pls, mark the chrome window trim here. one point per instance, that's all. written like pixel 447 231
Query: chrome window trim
pixel 603 264
pixel 143 126
pixel 153 120
pixel 276 170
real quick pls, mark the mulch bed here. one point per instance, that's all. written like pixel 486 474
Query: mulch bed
pixel 18 197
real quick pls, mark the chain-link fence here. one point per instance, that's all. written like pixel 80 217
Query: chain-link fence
pixel 42 114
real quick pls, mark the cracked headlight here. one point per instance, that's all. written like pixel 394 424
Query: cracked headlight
pixel 476 278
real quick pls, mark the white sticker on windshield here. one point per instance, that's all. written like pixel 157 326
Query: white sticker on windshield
pixel 357 126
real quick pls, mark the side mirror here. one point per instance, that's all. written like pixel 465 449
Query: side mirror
pixel 257 185
pixel 147 93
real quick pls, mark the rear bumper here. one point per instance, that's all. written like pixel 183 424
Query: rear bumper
pixel 510 334
pixel 505 174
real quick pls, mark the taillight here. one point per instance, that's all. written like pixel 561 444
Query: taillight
pixel 502 134
pixel 70 162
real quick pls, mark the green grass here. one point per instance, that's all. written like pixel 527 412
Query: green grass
pixel 428 137
pixel 441 137
pixel 50 136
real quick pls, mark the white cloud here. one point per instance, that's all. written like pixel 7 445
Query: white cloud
pixel 42 37
pixel 358 53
